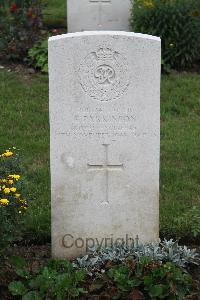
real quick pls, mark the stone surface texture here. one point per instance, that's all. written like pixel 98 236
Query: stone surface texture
pixel 98 15
pixel 105 139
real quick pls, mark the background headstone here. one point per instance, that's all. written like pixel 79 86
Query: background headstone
pixel 105 139
pixel 98 15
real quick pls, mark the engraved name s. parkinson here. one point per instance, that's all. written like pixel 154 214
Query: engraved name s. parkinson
pixel 104 74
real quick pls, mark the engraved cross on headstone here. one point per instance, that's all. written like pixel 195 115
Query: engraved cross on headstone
pixel 100 2
pixel 106 167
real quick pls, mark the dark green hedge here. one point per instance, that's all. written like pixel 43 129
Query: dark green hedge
pixel 177 22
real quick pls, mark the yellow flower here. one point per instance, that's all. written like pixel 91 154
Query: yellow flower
pixel 14 176
pixel 148 4
pixel 12 189
pixel 17 195
pixel 3 186
pixel 17 177
pixel 3 180
pixel 6 190
pixel 8 153
pixel 10 181
pixel 4 201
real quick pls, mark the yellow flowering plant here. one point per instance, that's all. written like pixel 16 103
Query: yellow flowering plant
pixel 12 202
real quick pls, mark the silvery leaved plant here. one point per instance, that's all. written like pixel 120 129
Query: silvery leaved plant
pixel 163 251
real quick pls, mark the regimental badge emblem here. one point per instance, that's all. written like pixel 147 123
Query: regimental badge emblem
pixel 104 74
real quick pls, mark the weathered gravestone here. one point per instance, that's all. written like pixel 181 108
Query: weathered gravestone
pixel 104 119
pixel 98 15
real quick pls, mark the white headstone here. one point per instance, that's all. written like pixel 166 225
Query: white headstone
pixel 98 15
pixel 105 139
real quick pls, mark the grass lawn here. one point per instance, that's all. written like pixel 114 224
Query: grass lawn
pixel 24 123
pixel 55 13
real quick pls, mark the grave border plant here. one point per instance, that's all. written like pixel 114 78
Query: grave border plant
pixel 153 271
pixel 160 251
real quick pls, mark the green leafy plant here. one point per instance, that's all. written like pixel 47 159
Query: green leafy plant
pixel 155 280
pixel 13 205
pixel 124 278
pixel 20 26
pixel 38 56
pixel 56 280
pixel 177 22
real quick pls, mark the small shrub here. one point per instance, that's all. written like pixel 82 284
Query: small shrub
pixel 162 252
pixel 57 280
pixel 38 56
pixel 154 280
pixel 12 202
pixel 177 22
pixel 20 24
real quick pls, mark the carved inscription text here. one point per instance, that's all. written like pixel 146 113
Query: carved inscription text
pixel 100 124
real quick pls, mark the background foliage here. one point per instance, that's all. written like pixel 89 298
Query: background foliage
pixel 38 56
pixel 177 22
pixel 20 26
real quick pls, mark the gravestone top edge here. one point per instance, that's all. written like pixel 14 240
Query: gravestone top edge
pixel 104 33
